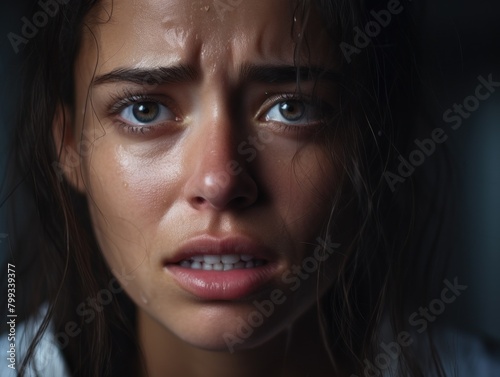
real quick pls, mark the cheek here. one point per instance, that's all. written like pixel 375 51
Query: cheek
pixel 128 196
pixel 301 183
pixel 130 185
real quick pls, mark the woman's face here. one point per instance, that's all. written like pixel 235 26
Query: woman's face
pixel 204 166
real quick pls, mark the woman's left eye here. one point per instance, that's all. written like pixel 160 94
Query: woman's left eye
pixel 146 113
pixel 293 112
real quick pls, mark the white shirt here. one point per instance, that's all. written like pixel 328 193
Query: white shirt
pixel 48 360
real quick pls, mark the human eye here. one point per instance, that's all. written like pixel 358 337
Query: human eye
pixel 291 110
pixel 140 114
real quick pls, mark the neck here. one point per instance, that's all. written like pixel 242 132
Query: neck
pixel 297 352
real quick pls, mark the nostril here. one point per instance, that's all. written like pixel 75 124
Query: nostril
pixel 198 200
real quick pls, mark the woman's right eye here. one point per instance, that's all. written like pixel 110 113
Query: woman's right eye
pixel 145 114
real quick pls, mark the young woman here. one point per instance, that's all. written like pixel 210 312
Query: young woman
pixel 212 191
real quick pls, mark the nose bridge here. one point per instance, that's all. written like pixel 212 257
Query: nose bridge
pixel 218 179
pixel 218 131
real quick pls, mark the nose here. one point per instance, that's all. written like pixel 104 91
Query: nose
pixel 219 178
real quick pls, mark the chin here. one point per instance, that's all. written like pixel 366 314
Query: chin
pixel 229 331
pixel 232 333
pixel 231 341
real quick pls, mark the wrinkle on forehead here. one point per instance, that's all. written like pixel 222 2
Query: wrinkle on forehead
pixel 145 33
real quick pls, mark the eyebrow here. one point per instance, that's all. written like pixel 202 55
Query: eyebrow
pixel 275 74
pixel 149 76
pixel 284 74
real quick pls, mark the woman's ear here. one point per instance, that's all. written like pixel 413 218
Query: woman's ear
pixel 69 163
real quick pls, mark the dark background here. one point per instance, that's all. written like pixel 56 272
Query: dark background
pixel 461 41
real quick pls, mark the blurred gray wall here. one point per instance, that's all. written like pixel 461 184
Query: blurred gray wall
pixel 461 43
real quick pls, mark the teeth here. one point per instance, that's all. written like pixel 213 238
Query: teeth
pixel 230 259
pixel 207 266
pixel 239 265
pixel 185 263
pixel 221 262
pixel 211 259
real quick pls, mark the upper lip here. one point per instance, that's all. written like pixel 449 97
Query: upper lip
pixel 212 245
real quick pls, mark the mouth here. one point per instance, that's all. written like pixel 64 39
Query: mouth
pixel 228 268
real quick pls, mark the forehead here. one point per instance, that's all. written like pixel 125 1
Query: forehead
pixel 203 33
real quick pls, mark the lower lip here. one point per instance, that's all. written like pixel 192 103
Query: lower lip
pixel 222 285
